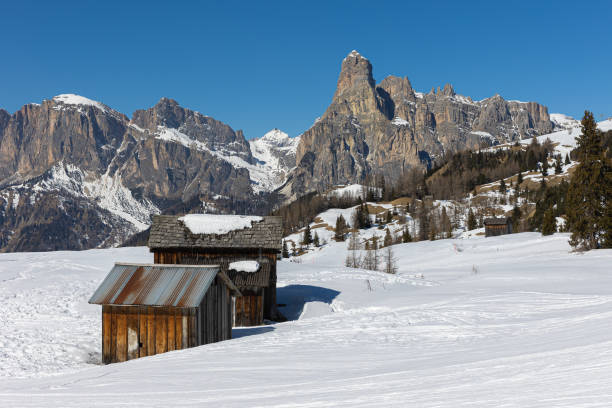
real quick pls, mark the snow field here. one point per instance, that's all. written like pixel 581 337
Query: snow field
pixel 46 324
pixel 516 320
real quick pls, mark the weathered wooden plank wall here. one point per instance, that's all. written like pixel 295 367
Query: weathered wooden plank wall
pixel 129 332
pixel 249 312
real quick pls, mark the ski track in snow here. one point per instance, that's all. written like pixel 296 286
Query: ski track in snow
pixel 511 321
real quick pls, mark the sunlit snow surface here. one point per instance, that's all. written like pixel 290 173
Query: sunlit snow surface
pixel 72 99
pixel 512 321
pixel 217 224
pixel 244 266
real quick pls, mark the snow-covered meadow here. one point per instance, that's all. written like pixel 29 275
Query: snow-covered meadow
pixel 516 320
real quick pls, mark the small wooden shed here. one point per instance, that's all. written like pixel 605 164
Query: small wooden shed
pixel 151 309
pixel 222 240
pixel 497 226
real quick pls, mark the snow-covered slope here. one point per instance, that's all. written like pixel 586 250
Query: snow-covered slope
pixel 566 139
pixel 78 100
pixel 515 320
pixel 275 153
pixel 561 121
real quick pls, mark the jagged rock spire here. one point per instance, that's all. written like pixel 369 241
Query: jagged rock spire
pixel 356 71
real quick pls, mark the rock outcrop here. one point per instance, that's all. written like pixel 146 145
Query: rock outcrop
pixel 389 128
pixel 75 174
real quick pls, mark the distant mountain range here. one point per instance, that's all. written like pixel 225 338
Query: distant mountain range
pixel 76 174
pixel 387 128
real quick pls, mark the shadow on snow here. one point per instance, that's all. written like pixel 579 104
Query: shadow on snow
pixel 293 298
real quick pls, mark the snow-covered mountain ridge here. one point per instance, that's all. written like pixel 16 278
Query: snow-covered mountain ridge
pixel 72 149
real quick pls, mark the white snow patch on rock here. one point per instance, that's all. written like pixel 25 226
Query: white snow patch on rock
pixel 107 191
pixel 562 121
pixel 483 135
pixel 72 99
pixel 397 121
pixel 262 178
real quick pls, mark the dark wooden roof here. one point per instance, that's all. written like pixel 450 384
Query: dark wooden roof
pixel 167 232
pixel 260 278
pixel 496 221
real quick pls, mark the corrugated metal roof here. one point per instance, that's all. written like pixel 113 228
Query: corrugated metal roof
pixel 157 285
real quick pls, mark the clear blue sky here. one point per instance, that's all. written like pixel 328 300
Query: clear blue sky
pixel 259 65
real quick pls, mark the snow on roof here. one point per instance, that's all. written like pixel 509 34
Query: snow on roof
pixel 244 266
pixel 72 99
pixel 218 224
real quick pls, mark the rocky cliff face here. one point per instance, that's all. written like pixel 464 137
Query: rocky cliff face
pixel 75 174
pixel 389 128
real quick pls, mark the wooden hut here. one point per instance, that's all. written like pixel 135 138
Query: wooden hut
pixel 151 309
pixel 497 226
pixel 202 239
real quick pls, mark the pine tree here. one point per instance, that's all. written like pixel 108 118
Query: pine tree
pixel 390 266
pixel 406 235
pixel 589 196
pixel 558 168
pixel 353 257
pixel 516 219
pixel 315 240
pixel 389 217
pixel 293 248
pixel 567 159
pixel 375 253
pixel 340 230
pixel 367 222
pixel 545 167
pixel 519 180
pixel 502 186
pixel 368 262
pixel 446 225
pixel 388 238
pixel 471 221
pixel 285 252
pixel 549 223
pixel 423 222
pixel 307 237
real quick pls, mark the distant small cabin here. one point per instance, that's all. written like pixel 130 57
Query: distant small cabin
pixel 151 309
pixel 497 226
pixel 226 240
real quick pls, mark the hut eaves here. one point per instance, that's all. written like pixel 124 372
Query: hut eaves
pixel 496 221
pixel 168 231
pixel 158 285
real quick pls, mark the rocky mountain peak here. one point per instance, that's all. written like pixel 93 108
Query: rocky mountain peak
pixel 78 100
pixel 390 128
pixel 356 72
pixel 166 102
pixel 276 136
pixel 397 87
pixel 448 90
